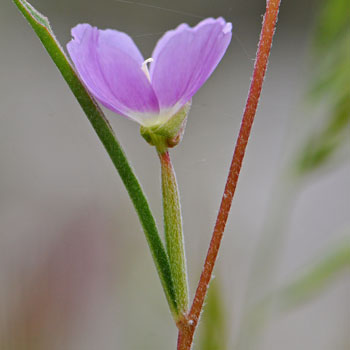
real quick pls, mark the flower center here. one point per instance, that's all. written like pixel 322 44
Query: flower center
pixel 144 67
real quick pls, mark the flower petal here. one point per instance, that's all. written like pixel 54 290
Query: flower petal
pixel 184 59
pixel 109 63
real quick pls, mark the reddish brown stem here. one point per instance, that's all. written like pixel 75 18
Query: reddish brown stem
pixel 188 326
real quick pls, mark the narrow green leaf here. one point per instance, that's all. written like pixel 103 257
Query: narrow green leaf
pixel 41 26
pixel 333 19
pixel 213 330
pixel 315 280
pixel 330 86
pixel 302 289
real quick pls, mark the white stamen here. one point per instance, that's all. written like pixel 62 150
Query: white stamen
pixel 144 67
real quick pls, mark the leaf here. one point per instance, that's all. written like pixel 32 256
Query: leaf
pixel 42 28
pixel 213 329
pixel 315 280
pixel 330 86
pixel 294 294
pixel 333 19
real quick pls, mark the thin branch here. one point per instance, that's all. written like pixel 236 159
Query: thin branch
pixel 188 325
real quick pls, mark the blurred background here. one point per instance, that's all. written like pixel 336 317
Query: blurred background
pixel 75 270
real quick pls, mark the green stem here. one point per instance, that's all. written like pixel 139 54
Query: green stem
pixel 41 26
pixel 173 231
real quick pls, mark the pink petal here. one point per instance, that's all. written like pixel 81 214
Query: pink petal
pixel 109 63
pixel 185 58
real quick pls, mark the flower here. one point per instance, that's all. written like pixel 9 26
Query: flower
pixel 116 74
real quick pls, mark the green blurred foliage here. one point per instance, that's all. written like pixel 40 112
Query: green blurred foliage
pixel 316 278
pixel 329 92
pixel 332 22
pixel 213 328
pixel 330 86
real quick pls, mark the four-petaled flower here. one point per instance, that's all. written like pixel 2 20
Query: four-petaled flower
pixel 116 74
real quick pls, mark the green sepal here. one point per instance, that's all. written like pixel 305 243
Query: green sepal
pixel 168 134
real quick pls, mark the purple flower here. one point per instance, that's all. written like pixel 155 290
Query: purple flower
pixel 115 72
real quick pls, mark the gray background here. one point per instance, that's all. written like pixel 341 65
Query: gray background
pixel 53 169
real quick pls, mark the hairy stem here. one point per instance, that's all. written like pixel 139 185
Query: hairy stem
pixel 173 232
pixel 189 324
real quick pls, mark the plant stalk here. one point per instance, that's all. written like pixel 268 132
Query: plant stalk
pixel 173 232
pixel 190 322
